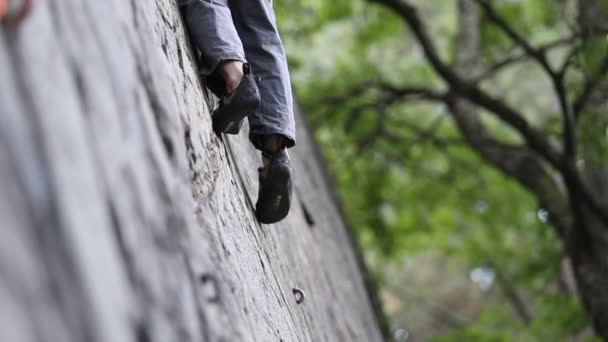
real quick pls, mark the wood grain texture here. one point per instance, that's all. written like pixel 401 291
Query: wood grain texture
pixel 123 217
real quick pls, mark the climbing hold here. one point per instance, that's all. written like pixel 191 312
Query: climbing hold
pixel 13 12
pixel 299 294
pixel 211 288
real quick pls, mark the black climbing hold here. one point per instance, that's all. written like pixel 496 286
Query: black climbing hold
pixel 142 334
pixel 168 144
pixel 211 288
pixel 299 295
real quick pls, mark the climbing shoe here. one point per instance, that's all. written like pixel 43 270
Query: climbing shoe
pixel 274 196
pixel 235 106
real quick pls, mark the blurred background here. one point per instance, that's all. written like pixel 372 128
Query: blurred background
pixel 465 226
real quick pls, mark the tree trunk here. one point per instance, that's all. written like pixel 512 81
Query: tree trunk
pixel 591 270
pixel 589 251
pixel 583 234
pixel 125 218
pixel 593 16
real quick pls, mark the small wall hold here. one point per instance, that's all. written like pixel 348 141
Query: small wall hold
pixel 168 144
pixel 299 295
pixel 142 334
pixel 307 215
pixel 211 288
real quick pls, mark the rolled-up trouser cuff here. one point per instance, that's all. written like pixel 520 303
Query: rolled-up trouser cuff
pixel 257 133
pixel 210 75
pixel 211 63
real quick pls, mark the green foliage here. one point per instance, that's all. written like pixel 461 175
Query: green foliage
pixel 563 313
pixel 412 186
pixel 593 133
pixel 474 334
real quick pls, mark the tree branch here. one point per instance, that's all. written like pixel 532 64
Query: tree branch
pixel 583 99
pixel 518 162
pixel 568 60
pixel 522 57
pixel 519 40
pixel 383 96
pixel 581 193
pixel 569 133
pixel 504 112
pixel 526 165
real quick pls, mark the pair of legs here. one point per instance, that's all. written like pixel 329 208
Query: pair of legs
pixel 234 37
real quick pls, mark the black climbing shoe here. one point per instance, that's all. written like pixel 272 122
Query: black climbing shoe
pixel 234 107
pixel 274 196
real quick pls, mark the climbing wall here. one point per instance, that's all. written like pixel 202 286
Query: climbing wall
pixel 123 217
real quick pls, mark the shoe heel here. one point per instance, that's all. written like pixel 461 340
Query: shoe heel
pixel 277 201
pixel 228 118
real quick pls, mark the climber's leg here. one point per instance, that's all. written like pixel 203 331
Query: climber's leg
pixel 272 127
pixel 209 23
pixel 223 64
pixel 256 25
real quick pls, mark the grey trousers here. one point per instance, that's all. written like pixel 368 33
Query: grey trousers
pixel 246 30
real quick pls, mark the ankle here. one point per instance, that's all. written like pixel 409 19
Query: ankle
pixel 232 73
pixel 273 143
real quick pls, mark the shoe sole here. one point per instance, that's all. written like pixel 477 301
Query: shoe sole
pixel 280 197
pixel 229 119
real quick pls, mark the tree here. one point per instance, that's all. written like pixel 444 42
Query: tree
pixel 558 154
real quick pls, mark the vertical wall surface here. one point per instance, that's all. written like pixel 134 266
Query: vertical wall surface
pixel 123 217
